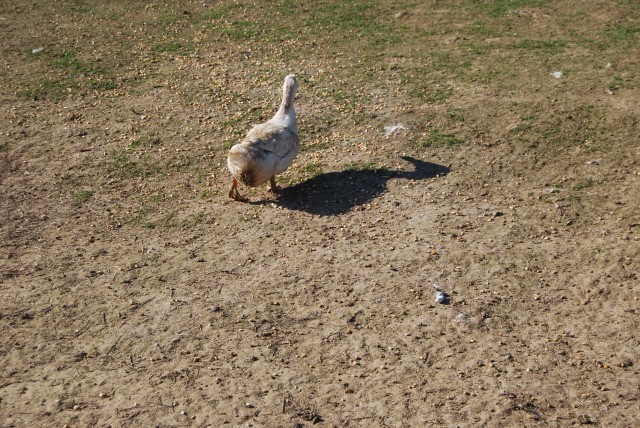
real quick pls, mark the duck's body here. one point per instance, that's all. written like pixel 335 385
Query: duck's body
pixel 269 148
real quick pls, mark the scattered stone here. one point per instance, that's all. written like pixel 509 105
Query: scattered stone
pixel 442 298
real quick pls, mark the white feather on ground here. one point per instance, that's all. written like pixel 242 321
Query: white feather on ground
pixel 392 129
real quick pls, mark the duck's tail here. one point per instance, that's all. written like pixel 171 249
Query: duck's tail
pixel 241 164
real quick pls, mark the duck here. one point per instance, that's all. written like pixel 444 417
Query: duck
pixel 268 149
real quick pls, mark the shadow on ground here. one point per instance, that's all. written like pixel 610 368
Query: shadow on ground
pixel 336 193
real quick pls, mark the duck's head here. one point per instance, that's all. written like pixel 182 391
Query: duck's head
pixel 291 83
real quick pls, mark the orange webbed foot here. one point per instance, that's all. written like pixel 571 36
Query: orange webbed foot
pixel 234 194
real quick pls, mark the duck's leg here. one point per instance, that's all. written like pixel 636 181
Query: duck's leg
pixel 274 187
pixel 234 194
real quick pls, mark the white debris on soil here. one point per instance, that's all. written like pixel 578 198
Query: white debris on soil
pixel 392 129
pixel 556 74
pixel 441 297
pixel 462 318
pixel 36 50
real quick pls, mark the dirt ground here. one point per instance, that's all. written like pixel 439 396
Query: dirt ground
pixel 136 293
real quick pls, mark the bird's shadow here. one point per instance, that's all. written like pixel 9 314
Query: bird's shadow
pixel 335 193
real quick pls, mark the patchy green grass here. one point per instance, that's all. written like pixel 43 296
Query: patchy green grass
pixel 351 20
pixel 195 218
pixel 584 184
pixel 550 47
pixel 312 169
pixel 425 91
pixel 349 50
pixel 456 115
pixel 140 219
pixel 48 88
pixel 156 197
pixel 242 30
pixel 360 166
pixel 620 82
pixel 144 140
pixel 437 138
pixel 623 33
pixel 596 148
pixel 498 8
pixel 126 167
pixel 5 145
pixel 182 48
pixel 214 14
pixel 81 196
pixel 438 94
pixel 97 76
pixel 77 6
pixel 70 74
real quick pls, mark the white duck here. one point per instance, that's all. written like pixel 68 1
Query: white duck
pixel 269 148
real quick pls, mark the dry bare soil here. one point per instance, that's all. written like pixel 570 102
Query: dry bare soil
pixel 135 293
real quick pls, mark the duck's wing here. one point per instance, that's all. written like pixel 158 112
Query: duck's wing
pixel 273 139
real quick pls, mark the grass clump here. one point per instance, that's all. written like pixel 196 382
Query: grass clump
pixel 82 196
pixel 312 169
pixel 357 166
pixel 72 74
pixel 48 88
pixel 351 20
pixel 623 32
pixel 242 30
pixel 4 146
pixel 551 47
pixel 497 8
pixel 437 138
pixel 585 184
pixel 172 47
pixel 125 167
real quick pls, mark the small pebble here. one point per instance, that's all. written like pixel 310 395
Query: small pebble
pixel 441 297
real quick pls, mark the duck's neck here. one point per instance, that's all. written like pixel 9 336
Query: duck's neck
pixel 286 114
